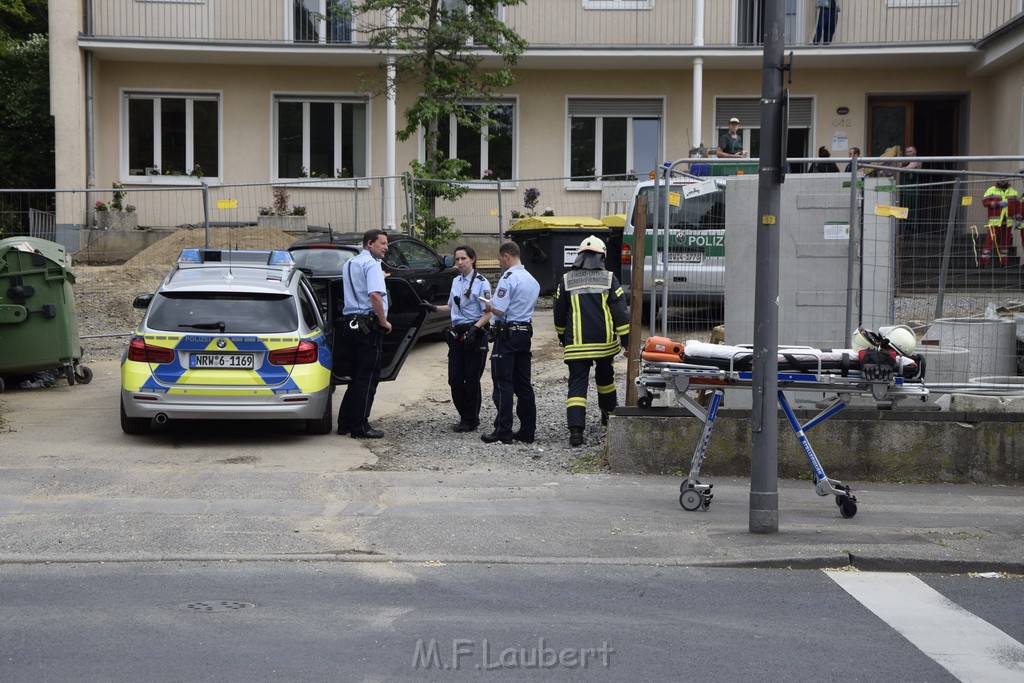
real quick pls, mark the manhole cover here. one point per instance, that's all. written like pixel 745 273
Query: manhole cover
pixel 216 606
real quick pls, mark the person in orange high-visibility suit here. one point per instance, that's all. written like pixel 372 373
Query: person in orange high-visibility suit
pixel 1004 214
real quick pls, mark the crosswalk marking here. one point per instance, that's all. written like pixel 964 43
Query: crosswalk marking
pixel 968 647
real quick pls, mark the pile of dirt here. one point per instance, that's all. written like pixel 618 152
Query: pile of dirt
pixel 104 294
pixel 165 252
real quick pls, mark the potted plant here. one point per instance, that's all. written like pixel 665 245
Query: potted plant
pixel 116 215
pixel 279 215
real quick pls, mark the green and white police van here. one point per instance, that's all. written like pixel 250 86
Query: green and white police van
pixel 693 269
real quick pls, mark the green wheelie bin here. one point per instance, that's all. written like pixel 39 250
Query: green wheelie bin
pixel 38 329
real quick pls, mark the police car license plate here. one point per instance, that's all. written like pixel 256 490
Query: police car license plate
pixel 222 361
pixel 685 257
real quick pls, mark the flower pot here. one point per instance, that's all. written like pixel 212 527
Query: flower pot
pixel 117 220
pixel 284 223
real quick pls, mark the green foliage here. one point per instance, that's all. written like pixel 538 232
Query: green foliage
pixel 21 19
pixel 445 183
pixel 438 47
pixel 26 128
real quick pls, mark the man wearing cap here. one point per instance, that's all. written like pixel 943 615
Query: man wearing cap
pixel 592 323
pixel 730 144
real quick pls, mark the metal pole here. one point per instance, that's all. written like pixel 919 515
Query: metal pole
pixel 764 465
pixel 206 213
pixel 654 249
pixel 947 248
pixel 665 239
pixel 853 284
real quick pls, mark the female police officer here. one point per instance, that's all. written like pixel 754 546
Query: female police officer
pixel 467 337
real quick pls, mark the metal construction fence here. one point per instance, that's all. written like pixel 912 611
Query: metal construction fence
pixel 884 243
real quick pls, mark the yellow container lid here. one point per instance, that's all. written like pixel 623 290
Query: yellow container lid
pixel 615 220
pixel 541 222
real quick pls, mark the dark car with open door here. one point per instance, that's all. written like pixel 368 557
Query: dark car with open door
pixel 321 257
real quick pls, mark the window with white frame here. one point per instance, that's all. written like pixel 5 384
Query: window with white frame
pixel 322 21
pixel 171 134
pixel 320 137
pixel 613 138
pixel 461 6
pixel 490 151
pixel 618 4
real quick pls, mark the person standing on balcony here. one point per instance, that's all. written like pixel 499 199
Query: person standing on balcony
pixel 1004 214
pixel 828 17
pixel 854 153
pixel 824 166
pixel 730 144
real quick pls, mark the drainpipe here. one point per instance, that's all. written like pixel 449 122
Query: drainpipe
pixel 696 136
pixel 90 120
pixel 390 135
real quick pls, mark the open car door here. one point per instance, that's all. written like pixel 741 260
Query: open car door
pixel 405 313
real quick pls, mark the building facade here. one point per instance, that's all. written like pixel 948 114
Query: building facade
pixel 181 92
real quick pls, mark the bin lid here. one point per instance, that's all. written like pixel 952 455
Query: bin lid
pixel 51 250
pixel 570 222
pixel 615 220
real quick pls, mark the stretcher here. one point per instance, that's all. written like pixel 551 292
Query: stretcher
pixel 702 367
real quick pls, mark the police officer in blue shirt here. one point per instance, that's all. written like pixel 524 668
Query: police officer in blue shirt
pixel 512 306
pixel 365 320
pixel 467 337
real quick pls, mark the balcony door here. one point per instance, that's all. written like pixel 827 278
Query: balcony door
pixel 750 21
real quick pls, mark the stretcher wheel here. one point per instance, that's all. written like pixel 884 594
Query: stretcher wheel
pixel 840 499
pixel 847 508
pixel 687 484
pixel 644 402
pixel 691 500
pixel 705 502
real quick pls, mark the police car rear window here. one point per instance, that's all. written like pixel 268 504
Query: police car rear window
pixel 225 313
pixel 703 212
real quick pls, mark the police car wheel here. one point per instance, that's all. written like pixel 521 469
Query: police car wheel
pixel 322 425
pixel 133 425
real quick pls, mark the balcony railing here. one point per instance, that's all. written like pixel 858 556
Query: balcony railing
pixel 561 24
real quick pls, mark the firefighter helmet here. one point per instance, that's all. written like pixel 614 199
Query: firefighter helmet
pixel 593 243
pixel 865 339
pixel 899 338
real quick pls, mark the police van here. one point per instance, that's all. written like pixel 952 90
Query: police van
pixel 693 266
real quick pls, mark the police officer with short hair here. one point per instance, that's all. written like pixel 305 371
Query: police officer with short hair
pixel 592 323
pixel 365 320
pixel 467 337
pixel 512 306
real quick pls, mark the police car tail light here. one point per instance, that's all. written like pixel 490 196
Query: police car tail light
pixel 140 351
pixel 627 254
pixel 305 352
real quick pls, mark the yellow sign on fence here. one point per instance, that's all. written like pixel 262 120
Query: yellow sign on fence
pixel 893 211
pixel 227 203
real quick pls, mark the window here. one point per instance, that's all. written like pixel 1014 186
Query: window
pixel 618 4
pixel 750 22
pixel 489 149
pixel 613 139
pixel 322 21
pixel 748 111
pixel 171 135
pixel 320 137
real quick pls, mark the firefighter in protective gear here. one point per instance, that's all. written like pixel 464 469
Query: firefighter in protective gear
pixel 592 324
pixel 1004 214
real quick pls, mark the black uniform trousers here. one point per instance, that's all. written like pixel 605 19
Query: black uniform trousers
pixel 579 379
pixel 510 372
pixel 365 352
pixel 466 361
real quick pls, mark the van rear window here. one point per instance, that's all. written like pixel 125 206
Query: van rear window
pixel 703 212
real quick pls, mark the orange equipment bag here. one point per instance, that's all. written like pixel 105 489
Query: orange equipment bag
pixel 663 350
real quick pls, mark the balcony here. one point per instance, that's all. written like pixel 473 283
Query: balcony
pixel 553 26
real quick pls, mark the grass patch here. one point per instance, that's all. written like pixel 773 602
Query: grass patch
pixel 593 463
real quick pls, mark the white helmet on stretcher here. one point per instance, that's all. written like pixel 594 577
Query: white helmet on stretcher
pixel 900 338
pixel 865 339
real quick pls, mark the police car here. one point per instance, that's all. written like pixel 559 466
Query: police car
pixel 240 335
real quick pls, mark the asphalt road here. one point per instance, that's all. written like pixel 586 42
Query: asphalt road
pixel 313 621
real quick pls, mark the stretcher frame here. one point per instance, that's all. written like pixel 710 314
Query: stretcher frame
pixel 677 379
